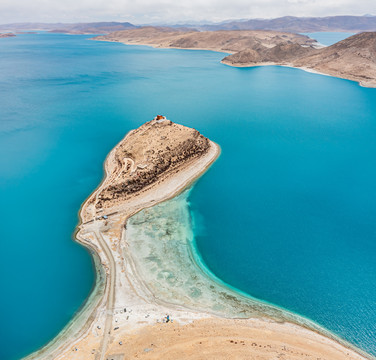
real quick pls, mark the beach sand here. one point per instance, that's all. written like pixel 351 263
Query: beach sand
pixel 126 319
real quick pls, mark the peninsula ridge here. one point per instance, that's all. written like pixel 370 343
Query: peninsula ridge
pixel 133 304
pixel 353 58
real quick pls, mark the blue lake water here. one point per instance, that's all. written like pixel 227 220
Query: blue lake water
pixel 287 214
pixel 329 38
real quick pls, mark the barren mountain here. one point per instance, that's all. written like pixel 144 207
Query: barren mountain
pixel 226 41
pixel 300 24
pixel 353 58
pixel 262 55
pixel 77 28
pixel 287 23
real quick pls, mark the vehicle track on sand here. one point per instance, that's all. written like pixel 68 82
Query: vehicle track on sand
pixel 110 296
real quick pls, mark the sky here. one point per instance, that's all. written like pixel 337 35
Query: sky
pixel 173 11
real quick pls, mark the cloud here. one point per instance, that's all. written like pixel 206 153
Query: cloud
pixel 173 11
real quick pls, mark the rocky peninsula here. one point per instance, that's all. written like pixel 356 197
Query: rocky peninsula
pixel 353 58
pixel 152 298
pixel 223 41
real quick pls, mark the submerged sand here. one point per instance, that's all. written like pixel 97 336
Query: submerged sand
pixel 131 231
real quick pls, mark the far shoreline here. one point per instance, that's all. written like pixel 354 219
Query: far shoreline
pixel 246 65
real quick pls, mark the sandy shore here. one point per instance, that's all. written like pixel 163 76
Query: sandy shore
pixel 228 339
pixel 370 84
pixel 306 69
pixel 125 317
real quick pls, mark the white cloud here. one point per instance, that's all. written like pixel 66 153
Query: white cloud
pixel 170 11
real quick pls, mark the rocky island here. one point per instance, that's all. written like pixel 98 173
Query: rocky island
pixel 152 299
pixel 146 156
pixel 7 35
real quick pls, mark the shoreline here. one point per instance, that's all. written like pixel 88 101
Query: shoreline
pixel 106 247
pixel 78 326
pixel 360 82
pixel 303 68
pixel 157 46
pixel 90 304
pixel 298 319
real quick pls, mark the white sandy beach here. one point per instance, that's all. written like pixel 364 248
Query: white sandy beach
pixel 125 318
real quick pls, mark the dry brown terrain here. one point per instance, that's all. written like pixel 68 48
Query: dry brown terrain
pixel 262 55
pixel 148 154
pixel 225 41
pixel 353 58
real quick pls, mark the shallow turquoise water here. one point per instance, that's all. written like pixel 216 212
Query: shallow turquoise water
pixel 286 214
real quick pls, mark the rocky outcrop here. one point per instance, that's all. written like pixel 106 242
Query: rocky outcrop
pixel 261 54
pixel 7 35
pixel 146 155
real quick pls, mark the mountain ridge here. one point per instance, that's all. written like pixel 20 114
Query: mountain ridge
pixel 340 23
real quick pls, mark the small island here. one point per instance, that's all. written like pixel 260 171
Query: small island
pixel 6 35
pixel 152 298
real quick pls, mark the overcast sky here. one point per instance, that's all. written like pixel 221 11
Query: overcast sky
pixel 171 11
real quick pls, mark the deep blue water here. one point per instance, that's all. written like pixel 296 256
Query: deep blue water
pixel 286 214
pixel 328 38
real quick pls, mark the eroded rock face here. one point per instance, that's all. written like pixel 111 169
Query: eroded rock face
pixel 146 155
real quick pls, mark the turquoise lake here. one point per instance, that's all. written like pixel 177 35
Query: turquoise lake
pixel 287 214
pixel 328 38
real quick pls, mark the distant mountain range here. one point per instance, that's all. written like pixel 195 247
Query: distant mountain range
pixel 77 28
pixel 286 23
pixel 301 24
